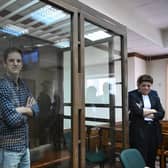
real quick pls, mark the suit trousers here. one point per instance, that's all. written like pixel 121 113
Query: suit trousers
pixel 147 143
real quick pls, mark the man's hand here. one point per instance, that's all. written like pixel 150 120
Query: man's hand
pixel 30 101
pixel 25 110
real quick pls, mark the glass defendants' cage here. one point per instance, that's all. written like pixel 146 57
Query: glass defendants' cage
pixel 75 65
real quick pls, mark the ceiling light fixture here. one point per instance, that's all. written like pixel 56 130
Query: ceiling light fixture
pixel 48 15
pixel 62 44
pixel 13 30
pixel 98 35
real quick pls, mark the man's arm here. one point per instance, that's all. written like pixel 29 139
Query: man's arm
pixel 9 114
pixel 25 110
pixel 31 108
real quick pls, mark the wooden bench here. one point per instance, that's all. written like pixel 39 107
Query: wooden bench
pixel 51 158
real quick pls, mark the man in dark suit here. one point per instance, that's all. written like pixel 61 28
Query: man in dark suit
pixel 145 112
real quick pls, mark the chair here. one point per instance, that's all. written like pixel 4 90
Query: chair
pixel 92 157
pixel 131 158
pixel 162 151
pixel 68 140
pixel 96 158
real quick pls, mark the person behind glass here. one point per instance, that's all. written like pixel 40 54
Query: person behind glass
pixel 45 116
pixel 145 112
pixel 16 106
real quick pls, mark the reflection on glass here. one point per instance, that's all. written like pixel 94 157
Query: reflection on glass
pixel 99 89
pixel 14 30
pixel 99 112
pixel 97 35
pixel 117 70
pixel 62 44
pixel 118 116
pixel 48 15
pixel 118 95
pixel 117 44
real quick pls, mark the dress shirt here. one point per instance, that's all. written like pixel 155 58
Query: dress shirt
pixel 14 135
pixel 147 105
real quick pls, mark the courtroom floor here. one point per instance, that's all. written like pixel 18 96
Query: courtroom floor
pixel 107 165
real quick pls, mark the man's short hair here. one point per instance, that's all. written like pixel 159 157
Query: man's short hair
pixel 144 78
pixel 11 50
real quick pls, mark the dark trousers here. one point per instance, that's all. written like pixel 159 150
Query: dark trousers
pixel 150 144
pixel 147 143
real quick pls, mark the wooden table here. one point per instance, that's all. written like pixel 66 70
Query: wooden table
pixel 51 158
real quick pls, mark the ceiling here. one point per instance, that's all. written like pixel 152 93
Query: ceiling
pixel 37 31
pixel 139 44
pixel 154 12
pixel 16 16
pixel 146 21
pixel 19 13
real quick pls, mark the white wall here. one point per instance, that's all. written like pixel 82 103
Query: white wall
pixel 136 67
pixel 123 12
pixel 158 70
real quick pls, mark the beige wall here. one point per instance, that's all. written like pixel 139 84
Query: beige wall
pixel 136 67
pixel 158 69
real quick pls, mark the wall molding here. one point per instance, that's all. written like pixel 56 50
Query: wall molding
pixel 147 58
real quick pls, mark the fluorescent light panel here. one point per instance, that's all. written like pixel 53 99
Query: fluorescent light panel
pixel 98 35
pixel 48 15
pixel 62 44
pixel 13 30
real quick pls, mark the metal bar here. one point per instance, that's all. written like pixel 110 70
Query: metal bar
pixel 28 15
pixel 124 91
pixel 75 91
pixel 55 26
pixel 112 102
pixel 81 70
pixel 7 4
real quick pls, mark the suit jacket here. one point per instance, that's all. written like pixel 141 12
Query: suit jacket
pixel 137 123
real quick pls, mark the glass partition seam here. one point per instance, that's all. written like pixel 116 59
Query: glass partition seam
pixel 82 86
pixel 112 101
pixel 75 91
pixel 124 91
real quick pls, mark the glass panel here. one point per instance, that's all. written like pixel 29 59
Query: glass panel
pixel 103 88
pixel 118 114
pixel 43 33
pixel 117 47
pixel 118 95
pixel 117 71
pixel 99 112
pixel 118 130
